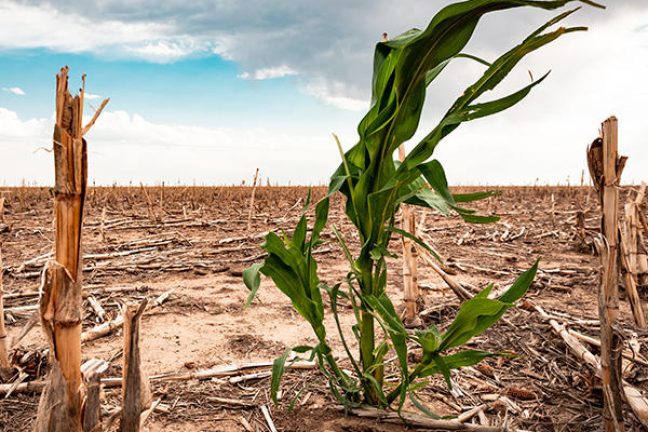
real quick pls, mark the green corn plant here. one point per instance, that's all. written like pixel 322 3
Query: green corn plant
pixel 375 185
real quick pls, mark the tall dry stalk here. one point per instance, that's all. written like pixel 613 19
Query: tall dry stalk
pixel 637 226
pixel 251 211
pixel 60 407
pixel 410 270
pixel 630 242
pixel 606 167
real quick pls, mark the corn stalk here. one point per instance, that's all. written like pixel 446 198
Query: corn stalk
pixel 375 186
pixel 60 407
pixel 410 270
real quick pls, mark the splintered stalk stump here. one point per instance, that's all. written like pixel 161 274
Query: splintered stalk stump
pixel 136 394
pixel 60 407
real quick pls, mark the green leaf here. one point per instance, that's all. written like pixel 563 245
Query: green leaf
pixel 417 386
pixel 336 184
pixel 344 246
pixel 462 109
pixel 297 397
pixel 479 313
pixel 421 407
pixel 478 219
pixel 299 236
pixel 334 293
pixel 473 57
pixel 473 318
pixel 474 196
pixel 321 217
pixel 429 339
pixel 458 360
pixel 252 280
pixel 485 292
pixel 294 272
pixel 442 367
pixel 430 199
pixel 435 175
pixel 278 368
pixel 521 285
pixel 302 349
pixel 416 240
pixel 380 252
pixel 307 202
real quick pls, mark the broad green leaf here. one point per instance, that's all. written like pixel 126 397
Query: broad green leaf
pixel 473 318
pixel 418 385
pixel 435 175
pixel 302 349
pixel 430 199
pixel 475 111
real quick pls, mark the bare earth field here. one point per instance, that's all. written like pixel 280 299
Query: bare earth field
pixel 194 241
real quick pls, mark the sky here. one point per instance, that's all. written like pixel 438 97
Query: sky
pixel 204 92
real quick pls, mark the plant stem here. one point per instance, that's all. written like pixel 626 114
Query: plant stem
pixel 367 331
pixel 367 345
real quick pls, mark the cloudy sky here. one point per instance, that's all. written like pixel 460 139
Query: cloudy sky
pixel 205 91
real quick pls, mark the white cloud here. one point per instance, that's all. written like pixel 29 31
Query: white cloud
pixel 269 73
pixel 43 26
pixel 334 94
pixel 14 90
pixel 327 42
pixel 126 147
pixel 166 51
pixel 91 96
pixel 12 128
pixel 330 44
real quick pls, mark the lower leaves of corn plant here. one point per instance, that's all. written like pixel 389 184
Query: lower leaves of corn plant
pixel 375 185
